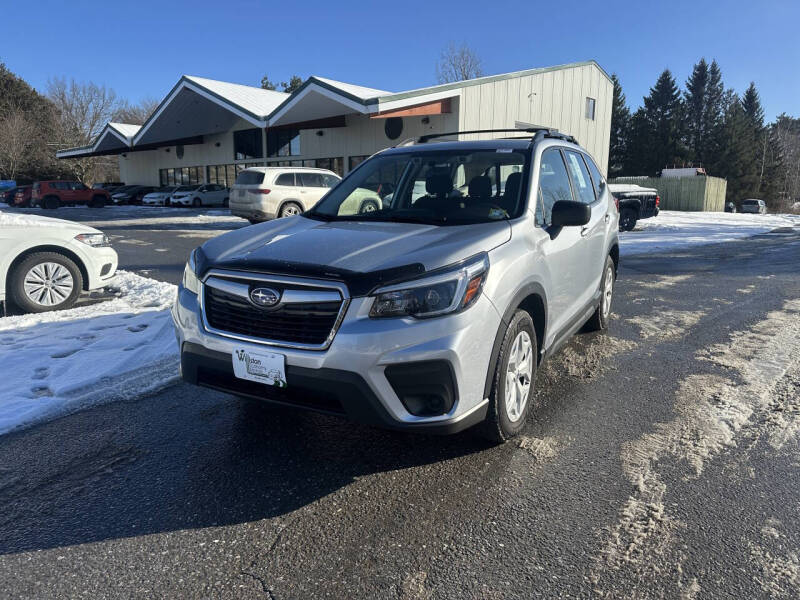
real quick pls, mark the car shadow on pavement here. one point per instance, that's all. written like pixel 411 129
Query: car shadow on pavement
pixel 187 458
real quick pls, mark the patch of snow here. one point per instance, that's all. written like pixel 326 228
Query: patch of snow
pixel 672 230
pixel 58 362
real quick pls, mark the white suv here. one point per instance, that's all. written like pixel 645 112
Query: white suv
pixel 430 313
pixel 263 193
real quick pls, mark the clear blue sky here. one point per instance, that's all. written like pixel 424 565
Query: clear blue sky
pixel 141 48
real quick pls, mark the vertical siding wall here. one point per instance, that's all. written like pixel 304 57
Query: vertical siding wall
pixel 554 98
pixel 696 193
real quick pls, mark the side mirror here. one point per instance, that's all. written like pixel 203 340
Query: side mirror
pixel 568 213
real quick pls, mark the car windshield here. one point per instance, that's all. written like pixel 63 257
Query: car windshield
pixel 442 188
pixel 186 188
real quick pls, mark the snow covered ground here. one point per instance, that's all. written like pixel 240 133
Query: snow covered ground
pixel 672 230
pixel 58 362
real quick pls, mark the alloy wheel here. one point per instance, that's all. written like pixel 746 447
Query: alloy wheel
pixel 48 284
pixel 608 291
pixel 518 376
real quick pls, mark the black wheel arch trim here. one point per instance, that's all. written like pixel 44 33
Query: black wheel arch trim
pixel 533 288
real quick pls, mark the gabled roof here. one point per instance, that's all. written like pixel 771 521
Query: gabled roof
pixel 255 100
pixel 126 129
pixel 358 91
pixel 114 136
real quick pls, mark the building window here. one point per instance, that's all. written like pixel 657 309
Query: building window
pixel 181 176
pixel 335 164
pixel 283 142
pixel 354 161
pixel 590 102
pixel 247 144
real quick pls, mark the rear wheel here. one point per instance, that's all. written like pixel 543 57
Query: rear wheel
pixel 51 202
pixel 290 209
pixel 627 219
pixel 599 320
pixel 512 384
pixel 45 281
pixel 368 206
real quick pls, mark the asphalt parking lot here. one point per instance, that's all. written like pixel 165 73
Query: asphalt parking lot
pixel 662 461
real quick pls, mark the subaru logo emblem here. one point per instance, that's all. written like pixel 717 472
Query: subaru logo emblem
pixel 264 297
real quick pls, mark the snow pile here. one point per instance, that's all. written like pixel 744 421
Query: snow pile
pixel 671 230
pixel 58 362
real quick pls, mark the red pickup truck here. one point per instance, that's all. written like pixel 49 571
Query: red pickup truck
pixel 52 194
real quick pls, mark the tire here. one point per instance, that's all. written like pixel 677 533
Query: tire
pixel 368 206
pixel 98 202
pixel 254 221
pixel 504 417
pixel 225 203
pixel 51 202
pixel 627 219
pixel 196 203
pixel 39 268
pixel 290 209
pixel 599 320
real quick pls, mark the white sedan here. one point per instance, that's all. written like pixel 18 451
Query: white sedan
pixel 46 263
pixel 159 197
pixel 209 194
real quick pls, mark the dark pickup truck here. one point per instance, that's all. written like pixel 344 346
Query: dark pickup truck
pixel 635 202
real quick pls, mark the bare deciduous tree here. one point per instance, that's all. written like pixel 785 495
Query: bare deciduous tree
pixel 135 114
pixel 83 110
pixel 458 63
pixel 17 139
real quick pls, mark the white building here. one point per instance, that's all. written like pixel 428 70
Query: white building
pixel 207 130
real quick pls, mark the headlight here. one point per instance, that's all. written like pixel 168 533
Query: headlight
pixel 190 280
pixel 447 292
pixel 94 239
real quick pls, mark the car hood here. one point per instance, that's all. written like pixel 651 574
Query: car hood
pixel 299 245
pixel 30 222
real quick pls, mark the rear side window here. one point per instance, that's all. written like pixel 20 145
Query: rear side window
pixel 597 178
pixel 310 179
pixel 580 178
pixel 250 178
pixel 285 179
pixel 553 184
pixel 329 180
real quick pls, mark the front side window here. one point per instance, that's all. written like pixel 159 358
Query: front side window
pixel 247 144
pixel 553 184
pixel 581 182
pixel 441 188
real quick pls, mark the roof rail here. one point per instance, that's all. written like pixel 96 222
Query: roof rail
pixel 538 134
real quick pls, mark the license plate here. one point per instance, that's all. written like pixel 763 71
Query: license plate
pixel 263 367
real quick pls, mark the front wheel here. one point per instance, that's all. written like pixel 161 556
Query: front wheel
pixel 512 384
pixel 45 281
pixel 599 320
pixel 196 202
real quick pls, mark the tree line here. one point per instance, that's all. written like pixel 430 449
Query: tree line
pixel 709 126
pixel 33 126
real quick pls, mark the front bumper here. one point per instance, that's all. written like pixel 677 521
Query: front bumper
pixel 185 201
pixel 101 266
pixel 349 377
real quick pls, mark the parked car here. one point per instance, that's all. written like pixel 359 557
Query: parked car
pixel 7 195
pixel 158 197
pixel 209 194
pixel 430 314
pixel 46 263
pixel 22 198
pixel 52 194
pixel 752 205
pixel 109 186
pixel 635 202
pixel 131 194
pixel 264 193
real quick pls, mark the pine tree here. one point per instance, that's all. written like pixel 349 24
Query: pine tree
pixel 663 109
pixel 754 113
pixel 620 124
pixel 695 99
pixel 712 117
pixel 639 145
pixel 734 160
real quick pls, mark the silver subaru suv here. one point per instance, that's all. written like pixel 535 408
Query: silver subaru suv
pixel 428 313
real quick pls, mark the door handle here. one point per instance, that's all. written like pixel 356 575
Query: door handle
pixel 607 218
pixel 585 230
